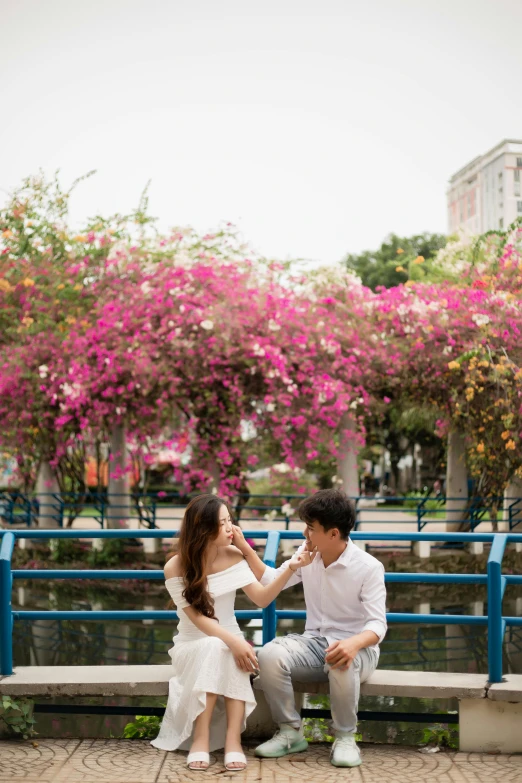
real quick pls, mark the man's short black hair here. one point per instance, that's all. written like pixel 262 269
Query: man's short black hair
pixel 332 508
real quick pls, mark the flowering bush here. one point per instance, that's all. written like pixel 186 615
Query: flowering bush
pixel 228 360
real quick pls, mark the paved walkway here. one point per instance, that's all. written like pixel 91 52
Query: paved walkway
pixel 125 761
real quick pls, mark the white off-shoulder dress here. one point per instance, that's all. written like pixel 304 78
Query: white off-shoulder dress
pixel 204 664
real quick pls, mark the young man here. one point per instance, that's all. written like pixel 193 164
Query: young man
pixel 345 622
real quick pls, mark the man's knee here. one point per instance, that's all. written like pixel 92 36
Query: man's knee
pixel 343 680
pixel 273 656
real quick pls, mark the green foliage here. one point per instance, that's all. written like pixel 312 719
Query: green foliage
pixel 64 550
pixel 17 716
pixel 435 506
pixel 144 727
pixel 318 729
pixel 442 735
pixel 291 483
pixel 397 260
pixel 109 555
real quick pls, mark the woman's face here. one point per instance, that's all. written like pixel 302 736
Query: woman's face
pixel 226 534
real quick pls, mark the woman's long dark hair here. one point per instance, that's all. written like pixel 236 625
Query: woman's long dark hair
pixel 199 528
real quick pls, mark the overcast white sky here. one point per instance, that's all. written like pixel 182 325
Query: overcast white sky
pixel 318 126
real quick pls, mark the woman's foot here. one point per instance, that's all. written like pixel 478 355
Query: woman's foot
pixel 233 745
pixel 200 748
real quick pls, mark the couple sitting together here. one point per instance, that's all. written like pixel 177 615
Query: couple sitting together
pixel 210 694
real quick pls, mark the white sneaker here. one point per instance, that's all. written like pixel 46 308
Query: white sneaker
pixel 286 740
pixel 345 752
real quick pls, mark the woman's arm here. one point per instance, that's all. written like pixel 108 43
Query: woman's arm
pixel 264 595
pixel 255 563
pixel 242 651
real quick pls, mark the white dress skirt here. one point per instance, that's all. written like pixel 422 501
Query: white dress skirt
pixel 204 664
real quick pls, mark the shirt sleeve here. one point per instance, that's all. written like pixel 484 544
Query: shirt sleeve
pixel 373 599
pixel 271 573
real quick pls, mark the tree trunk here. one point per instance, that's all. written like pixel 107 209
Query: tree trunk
pixel 118 511
pixel 456 481
pixel 215 475
pixel 347 469
pixel 46 487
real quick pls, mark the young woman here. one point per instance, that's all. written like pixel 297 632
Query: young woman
pixel 210 695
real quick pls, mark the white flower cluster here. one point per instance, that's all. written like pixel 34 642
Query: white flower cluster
pixel 71 390
pixel 455 256
pixel 329 346
pixel 481 319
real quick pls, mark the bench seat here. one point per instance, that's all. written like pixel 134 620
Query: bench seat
pixel 152 680
pixel 490 717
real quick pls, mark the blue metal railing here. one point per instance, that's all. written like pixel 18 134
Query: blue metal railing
pixel 54 509
pixel 495 581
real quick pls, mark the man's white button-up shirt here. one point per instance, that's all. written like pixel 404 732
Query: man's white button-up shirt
pixel 344 599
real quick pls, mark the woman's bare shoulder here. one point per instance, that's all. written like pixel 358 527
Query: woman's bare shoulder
pixel 233 554
pixel 172 567
pixel 228 556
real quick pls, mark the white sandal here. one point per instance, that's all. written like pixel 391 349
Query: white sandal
pixel 198 755
pixel 234 758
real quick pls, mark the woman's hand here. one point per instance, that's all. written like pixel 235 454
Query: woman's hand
pixel 302 559
pixel 244 655
pixel 240 541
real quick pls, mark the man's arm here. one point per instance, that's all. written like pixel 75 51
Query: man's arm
pixel 340 654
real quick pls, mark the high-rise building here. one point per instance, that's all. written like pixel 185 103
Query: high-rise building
pixel 486 194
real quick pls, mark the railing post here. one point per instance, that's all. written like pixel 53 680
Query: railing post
pixel 6 614
pixel 420 514
pixel 269 612
pixel 496 625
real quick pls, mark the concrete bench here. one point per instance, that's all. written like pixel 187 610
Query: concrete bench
pixel 490 718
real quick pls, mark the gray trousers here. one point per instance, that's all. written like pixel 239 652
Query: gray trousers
pixel 302 658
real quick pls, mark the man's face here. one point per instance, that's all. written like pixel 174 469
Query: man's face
pixel 317 536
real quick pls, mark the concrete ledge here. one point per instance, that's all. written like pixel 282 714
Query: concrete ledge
pixel 422 685
pixel 509 690
pixel 152 680
pixel 88 681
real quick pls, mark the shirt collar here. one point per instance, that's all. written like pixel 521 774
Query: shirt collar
pixel 343 559
pixel 346 556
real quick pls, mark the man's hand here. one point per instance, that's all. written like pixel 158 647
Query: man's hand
pixel 340 654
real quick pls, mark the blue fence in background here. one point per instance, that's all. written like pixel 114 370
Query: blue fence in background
pixel 494 579
pixel 55 509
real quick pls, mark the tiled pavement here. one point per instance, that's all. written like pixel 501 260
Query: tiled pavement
pixel 125 761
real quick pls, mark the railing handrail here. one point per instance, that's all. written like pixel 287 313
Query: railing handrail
pixel 495 581
pixel 356 535
pixel 28 507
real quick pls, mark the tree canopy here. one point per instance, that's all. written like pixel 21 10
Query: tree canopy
pixel 397 260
